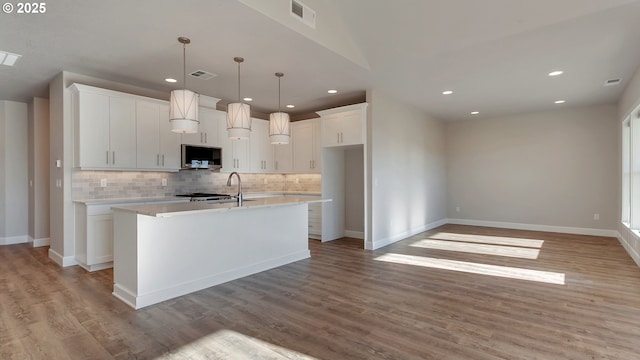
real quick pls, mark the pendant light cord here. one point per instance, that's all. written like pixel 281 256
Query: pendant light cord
pixel 278 93
pixel 238 81
pixel 184 65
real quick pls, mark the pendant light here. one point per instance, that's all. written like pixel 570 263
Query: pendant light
pixel 279 128
pixel 238 114
pixel 183 106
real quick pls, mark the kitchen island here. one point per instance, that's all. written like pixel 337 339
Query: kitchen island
pixel 162 251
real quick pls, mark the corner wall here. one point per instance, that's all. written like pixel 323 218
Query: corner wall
pixel 39 172
pixel 547 171
pixel 406 171
pixel 14 194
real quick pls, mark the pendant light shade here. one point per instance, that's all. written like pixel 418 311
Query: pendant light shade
pixel 183 105
pixel 238 114
pixel 279 128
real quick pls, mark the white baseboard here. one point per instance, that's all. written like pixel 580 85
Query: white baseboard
pixel 63 261
pixel 11 240
pixel 533 227
pixel 626 243
pixel 390 240
pixel 40 242
pixel 354 234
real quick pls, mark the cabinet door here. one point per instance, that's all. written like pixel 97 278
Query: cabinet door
pixel 283 157
pixel 352 128
pixel 92 124
pixel 302 134
pixel 100 239
pixel 122 132
pixel 331 130
pixel 261 148
pixel 235 153
pixel 147 135
pixel 317 147
pixel 169 158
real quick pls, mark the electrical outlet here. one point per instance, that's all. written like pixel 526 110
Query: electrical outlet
pixel 164 182
pixel 457 208
pixel 596 216
pixel 103 182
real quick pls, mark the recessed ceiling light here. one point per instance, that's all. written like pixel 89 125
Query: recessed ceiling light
pixel 555 73
pixel 9 59
pixel 560 101
pixel 248 99
pixel 475 112
pixel 170 80
pixel 332 91
pixel 290 106
pixel 447 92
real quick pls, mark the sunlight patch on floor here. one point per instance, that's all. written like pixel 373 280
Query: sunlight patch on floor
pixel 476 268
pixel 475 248
pixel 486 239
pixel 228 344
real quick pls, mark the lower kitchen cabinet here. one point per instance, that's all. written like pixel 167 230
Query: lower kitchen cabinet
pixel 315 221
pixel 94 236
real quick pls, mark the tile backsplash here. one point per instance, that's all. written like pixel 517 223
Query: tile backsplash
pixel 140 184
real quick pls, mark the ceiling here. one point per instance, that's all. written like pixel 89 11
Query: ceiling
pixel 493 54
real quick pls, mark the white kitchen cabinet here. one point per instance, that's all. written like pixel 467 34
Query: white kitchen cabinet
pixel 209 128
pixel 261 148
pixel 157 147
pixel 315 221
pixel 306 146
pixel 283 157
pixel 235 153
pixel 105 129
pixel 344 125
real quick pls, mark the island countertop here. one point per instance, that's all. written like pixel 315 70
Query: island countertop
pixel 186 208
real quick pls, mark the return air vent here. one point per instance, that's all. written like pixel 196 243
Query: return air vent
pixel 203 75
pixel 612 82
pixel 303 13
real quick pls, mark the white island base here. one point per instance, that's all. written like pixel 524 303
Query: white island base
pixel 167 255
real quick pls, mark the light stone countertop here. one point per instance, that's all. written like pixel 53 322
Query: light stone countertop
pixel 198 207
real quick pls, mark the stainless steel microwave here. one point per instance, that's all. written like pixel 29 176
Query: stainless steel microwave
pixel 201 157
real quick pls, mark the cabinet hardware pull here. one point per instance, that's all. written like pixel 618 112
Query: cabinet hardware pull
pixel 201 141
pixel 338 140
pixel 205 138
pixel 107 157
pixel 162 159
pixel 276 164
pixel 113 158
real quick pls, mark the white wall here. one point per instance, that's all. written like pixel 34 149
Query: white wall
pixel 406 171
pixel 628 102
pixel 14 195
pixel 554 169
pixel 39 172
pixel 354 190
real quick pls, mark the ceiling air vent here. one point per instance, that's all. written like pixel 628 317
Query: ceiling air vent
pixel 202 75
pixel 612 82
pixel 303 13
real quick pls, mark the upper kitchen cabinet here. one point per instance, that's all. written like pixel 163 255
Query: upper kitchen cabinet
pixel 344 125
pixel 209 128
pixel 105 128
pixel 158 148
pixel 305 136
pixel 261 148
pixel 283 157
pixel 235 153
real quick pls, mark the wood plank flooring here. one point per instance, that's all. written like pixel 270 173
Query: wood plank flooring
pixel 346 303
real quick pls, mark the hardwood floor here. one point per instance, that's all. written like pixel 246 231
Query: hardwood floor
pixel 427 297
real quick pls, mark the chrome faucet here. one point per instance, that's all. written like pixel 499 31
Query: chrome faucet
pixel 239 196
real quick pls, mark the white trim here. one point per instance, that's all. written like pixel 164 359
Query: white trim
pixel 11 240
pixel 354 234
pixel 62 260
pixel 96 267
pixel 39 242
pixel 533 227
pixel 390 240
pixel 626 243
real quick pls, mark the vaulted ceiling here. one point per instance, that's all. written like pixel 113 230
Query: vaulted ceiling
pixel 493 54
